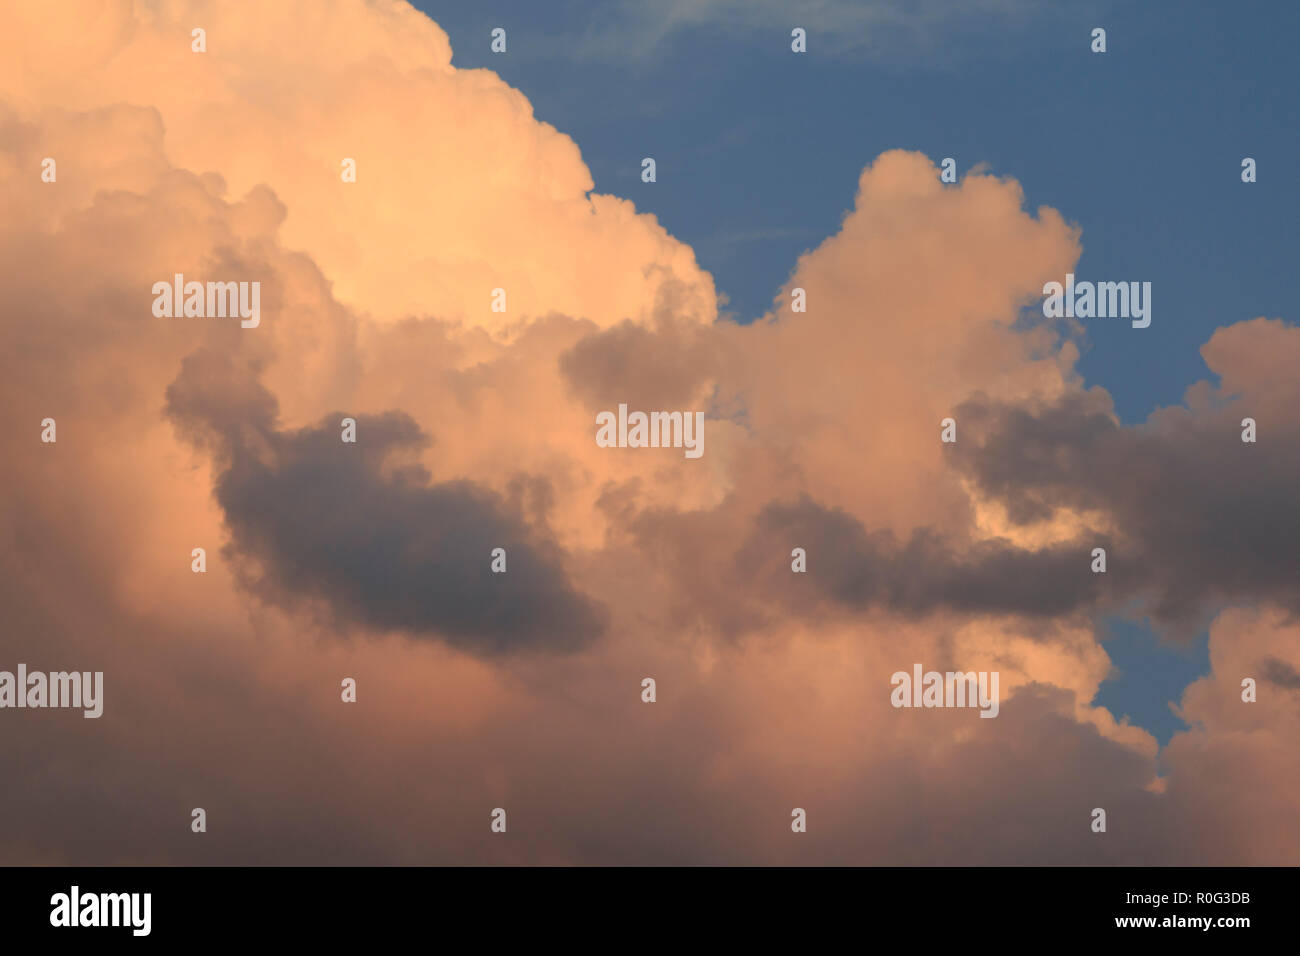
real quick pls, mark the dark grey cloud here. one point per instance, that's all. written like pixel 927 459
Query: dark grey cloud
pixel 361 528
pixel 664 367
pixel 926 572
pixel 850 568
pixel 1201 519
pixel 1281 673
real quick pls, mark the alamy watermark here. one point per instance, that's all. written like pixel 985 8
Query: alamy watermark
pixel 75 908
pixel 55 689
pixel 950 689
pixel 1101 300
pixel 213 300
pixel 656 430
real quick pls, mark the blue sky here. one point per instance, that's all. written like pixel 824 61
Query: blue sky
pixel 759 150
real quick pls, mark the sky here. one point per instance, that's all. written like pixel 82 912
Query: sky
pixel 1139 147
pixel 359 570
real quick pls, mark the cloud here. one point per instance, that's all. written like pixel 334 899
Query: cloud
pixel 1280 673
pixel 1237 765
pixel 877 28
pixel 925 572
pixel 407 238
pixel 476 430
pixel 350 525
pixel 1201 519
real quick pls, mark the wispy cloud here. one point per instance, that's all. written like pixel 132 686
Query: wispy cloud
pixel 639 29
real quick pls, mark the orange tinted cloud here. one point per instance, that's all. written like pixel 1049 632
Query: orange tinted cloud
pixel 372 82
pixel 773 688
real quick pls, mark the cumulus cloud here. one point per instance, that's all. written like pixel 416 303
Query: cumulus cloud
pixel 476 430
pixel 408 237
pixel 1202 519
pixel 349 524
